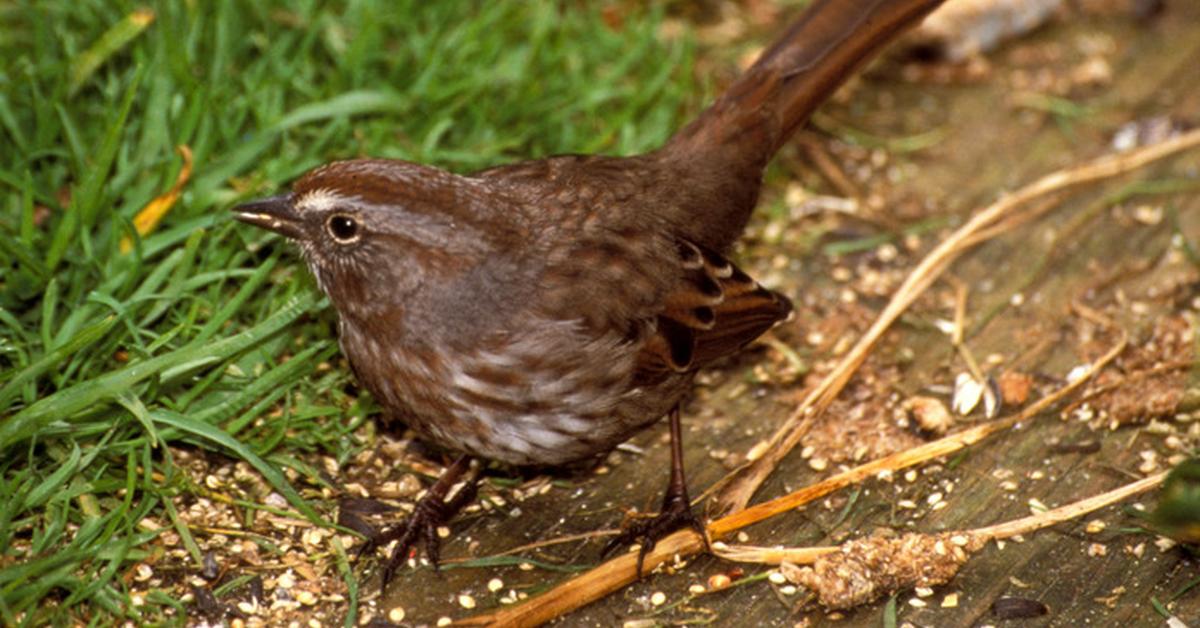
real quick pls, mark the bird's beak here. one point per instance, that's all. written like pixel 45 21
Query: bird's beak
pixel 274 214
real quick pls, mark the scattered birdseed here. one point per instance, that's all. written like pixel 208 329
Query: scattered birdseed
pixel 1095 526
pixel 306 598
pixel 314 536
pixel 466 601
pixel 917 602
pixel 137 599
pixel 742 537
pixel 1015 387
pixel 717 582
pixel 950 601
pixel 658 599
pixel 443 532
pixel 930 414
pixel 696 589
pixel 286 581
pixel 396 615
pixel 495 584
pixel 1097 549
pixel 144 572
pixel 444 621
pixel 1036 505
pixel 967 394
pixel 818 464
pixel 777 578
pixel 788 589
pixel 923 591
pixel 525 567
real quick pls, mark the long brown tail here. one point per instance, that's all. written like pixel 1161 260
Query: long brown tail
pixel 736 137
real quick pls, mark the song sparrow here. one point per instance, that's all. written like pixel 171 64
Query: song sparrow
pixel 542 312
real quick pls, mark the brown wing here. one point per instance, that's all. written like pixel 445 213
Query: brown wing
pixel 715 311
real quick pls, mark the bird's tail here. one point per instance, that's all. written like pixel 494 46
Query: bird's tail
pixel 726 149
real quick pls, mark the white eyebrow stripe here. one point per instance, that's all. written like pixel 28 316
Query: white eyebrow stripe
pixel 320 200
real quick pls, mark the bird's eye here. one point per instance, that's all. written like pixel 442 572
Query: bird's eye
pixel 343 228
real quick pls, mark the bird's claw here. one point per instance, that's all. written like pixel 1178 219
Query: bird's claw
pixel 431 512
pixel 676 514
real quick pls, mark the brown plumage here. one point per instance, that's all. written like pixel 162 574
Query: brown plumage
pixel 542 312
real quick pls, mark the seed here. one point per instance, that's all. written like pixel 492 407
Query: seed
pixel 718 582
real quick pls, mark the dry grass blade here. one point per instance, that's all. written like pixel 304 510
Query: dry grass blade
pixel 1070 511
pixel 1008 529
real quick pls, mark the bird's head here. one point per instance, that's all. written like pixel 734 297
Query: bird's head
pixel 375 231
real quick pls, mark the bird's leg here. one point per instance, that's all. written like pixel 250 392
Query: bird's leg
pixel 676 509
pixel 431 511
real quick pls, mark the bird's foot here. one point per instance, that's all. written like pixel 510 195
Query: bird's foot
pixel 431 512
pixel 676 514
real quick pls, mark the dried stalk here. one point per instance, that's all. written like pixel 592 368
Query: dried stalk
pixel 1008 529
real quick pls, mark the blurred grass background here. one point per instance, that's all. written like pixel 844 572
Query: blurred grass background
pixel 209 335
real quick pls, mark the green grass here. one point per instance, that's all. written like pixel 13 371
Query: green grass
pixel 111 361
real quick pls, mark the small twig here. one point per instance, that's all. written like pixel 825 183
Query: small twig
pixel 960 310
pixel 829 169
pixel 570 538
pixel 1070 511
pixel 770 555
pixel 960 318
pixel 1008 529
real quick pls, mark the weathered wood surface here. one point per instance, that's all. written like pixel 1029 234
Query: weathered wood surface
pixel 990 146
